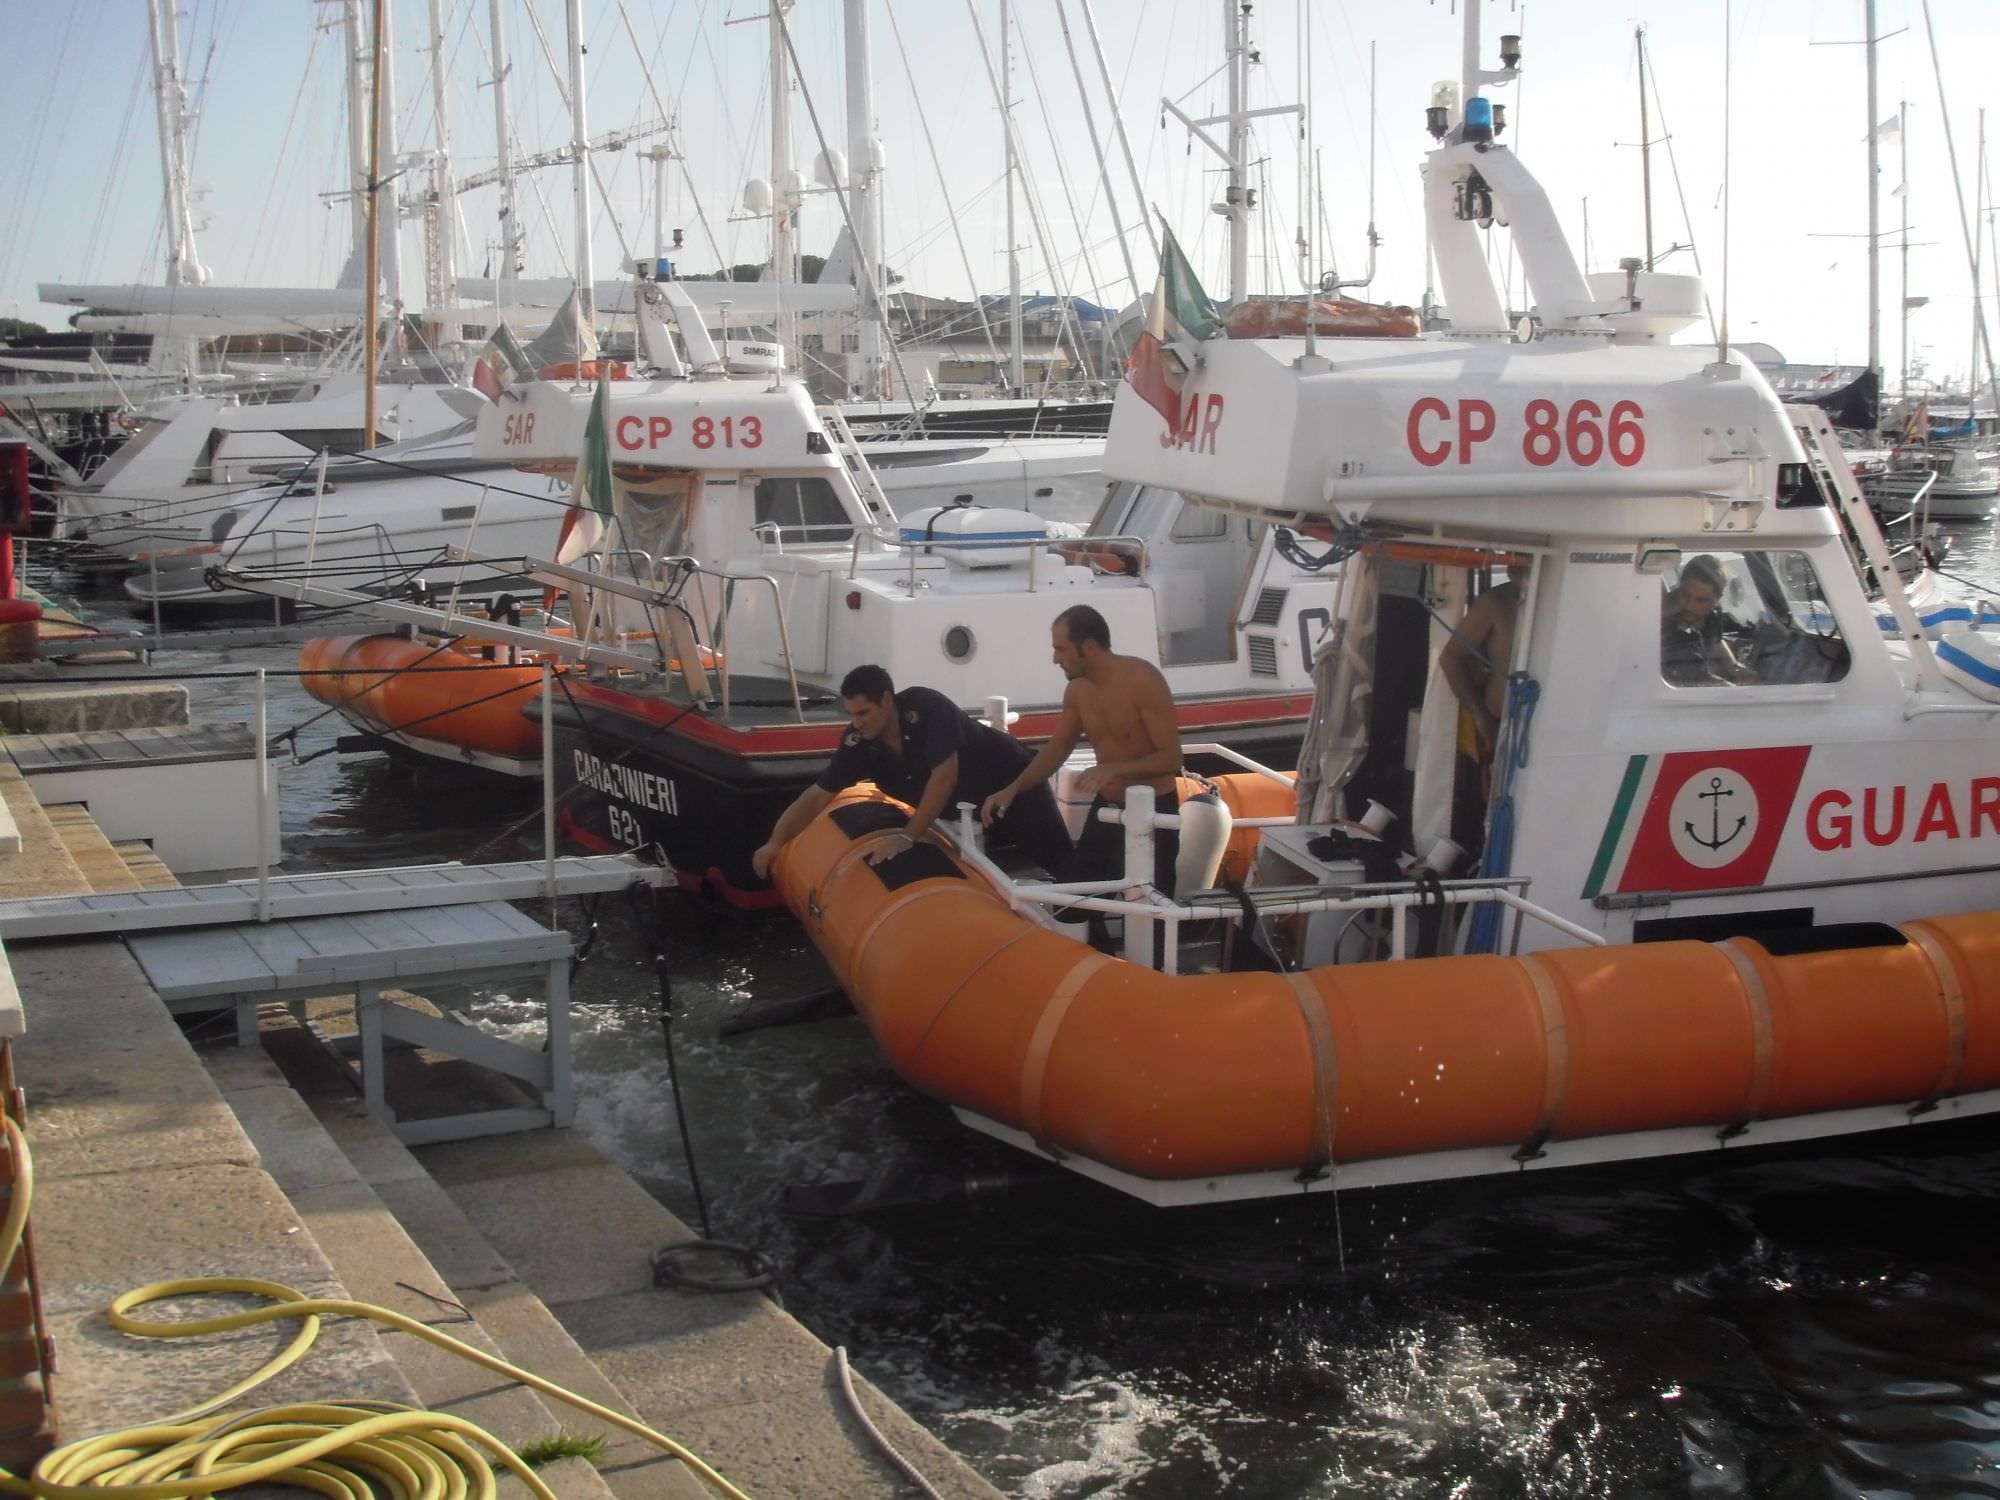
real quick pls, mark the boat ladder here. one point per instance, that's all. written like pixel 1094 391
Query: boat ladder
pixel 1817 429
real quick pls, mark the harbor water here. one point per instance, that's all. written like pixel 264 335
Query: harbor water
pixel 1817 1324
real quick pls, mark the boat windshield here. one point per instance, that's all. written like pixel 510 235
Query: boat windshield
pixel 1741 619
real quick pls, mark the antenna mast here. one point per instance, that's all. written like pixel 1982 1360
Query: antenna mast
pixel 1645 144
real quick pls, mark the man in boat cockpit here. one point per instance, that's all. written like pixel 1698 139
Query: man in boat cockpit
pixel 1693 650
pixel 923 749
pixel 1123 705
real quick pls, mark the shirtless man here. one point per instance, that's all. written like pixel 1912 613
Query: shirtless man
pixel 1477 658
pixel 1122 704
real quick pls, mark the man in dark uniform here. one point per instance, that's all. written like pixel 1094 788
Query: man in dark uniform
pixel 921 748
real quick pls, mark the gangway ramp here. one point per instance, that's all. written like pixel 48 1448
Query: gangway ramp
pixel 286 897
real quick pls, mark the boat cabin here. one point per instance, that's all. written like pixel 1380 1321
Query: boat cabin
pixel 809 554
pixel 1719 715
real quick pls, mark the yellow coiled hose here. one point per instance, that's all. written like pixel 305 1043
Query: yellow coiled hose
pixel 334 1448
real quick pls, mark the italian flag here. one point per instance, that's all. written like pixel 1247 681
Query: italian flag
pixel 1181 314
pixel 588 519
pixel 500 363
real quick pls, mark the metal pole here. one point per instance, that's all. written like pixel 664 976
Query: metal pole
pixel 357 123
pixel 509 230
pixel 1016 374
pixel 372 262
pixel 263 806
pixel 586 292
pixel 1236 37
pixel 450 331
pixel 1138 871
pixel 1903 192
pixel 784 246
pixel 1874 207
pixel 1646 144
pixel 864 196
pixel 549 784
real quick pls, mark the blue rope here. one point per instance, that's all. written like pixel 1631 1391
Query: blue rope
pixel 1523 694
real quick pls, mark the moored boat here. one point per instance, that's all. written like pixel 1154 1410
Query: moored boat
pixel 459 702
pixel 1735 844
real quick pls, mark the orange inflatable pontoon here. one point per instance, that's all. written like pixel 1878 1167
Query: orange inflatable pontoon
pixel 444 695
pixel 1208 1075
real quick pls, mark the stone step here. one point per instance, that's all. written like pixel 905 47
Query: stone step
pixel 102 865
pixel 43 867
pixel 147 868
pixel 732 1375
pixel 364 1239
pixel 525 1332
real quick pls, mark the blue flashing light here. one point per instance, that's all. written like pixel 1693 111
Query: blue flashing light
pixel 1478 119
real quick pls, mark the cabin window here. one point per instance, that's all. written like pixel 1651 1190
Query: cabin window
pixel 804 510
pixel 1197 523
pixel 1743 619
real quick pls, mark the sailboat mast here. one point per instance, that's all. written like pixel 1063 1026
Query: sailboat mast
pixel 389 225
pixel 1016 370
pixel 1236 41
pixel 784 228
pixel 371 260
pixel 184 267
pixel 358 132
pixel 509 222
pixel 444 206
pixel 1645 144
pixel 1903 192
pixel 864 190
pixel 1978 250
pixel 586 292
pixel 1874 206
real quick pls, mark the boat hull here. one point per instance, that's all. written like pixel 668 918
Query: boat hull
pixel 701 790
pixel 1214 1076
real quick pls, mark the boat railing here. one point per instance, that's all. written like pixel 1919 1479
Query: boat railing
pixel 1145 909
pixel 682 634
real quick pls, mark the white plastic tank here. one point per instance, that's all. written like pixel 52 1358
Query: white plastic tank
pixel 975 536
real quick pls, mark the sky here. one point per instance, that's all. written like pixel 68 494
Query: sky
pixel 83 184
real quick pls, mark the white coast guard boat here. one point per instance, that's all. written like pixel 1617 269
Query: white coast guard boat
pixel 755 555
pixel 1740 864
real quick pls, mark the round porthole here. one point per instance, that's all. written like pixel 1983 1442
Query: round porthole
pixel 959 644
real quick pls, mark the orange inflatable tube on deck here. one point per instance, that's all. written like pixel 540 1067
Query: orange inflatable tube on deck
pixel 1216 1074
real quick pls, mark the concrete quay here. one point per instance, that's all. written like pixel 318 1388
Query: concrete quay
pixel 155 1161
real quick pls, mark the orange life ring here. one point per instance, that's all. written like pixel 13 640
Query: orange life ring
pixel 1102 555
pixel 1334 317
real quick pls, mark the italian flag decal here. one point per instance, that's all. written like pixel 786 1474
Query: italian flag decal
pixel 1697 820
